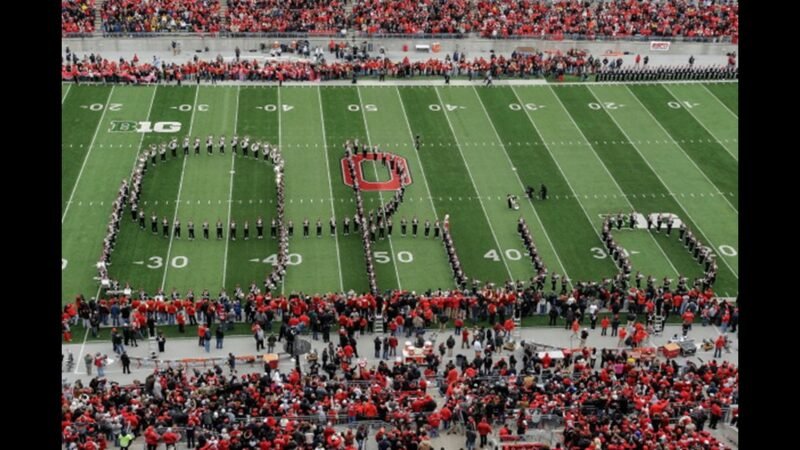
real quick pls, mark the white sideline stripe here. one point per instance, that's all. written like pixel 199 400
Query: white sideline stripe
pixel 682 150
pixel 563 174
pixel 689 110
pixel 516 174
pixel 180 188
pixel 474 186
pixel 330 186
pixel 594 152
pixel 705 236
pixel 720 101
pixel 380 194
pixel 88 153
pixel 69 87
pixel 230 191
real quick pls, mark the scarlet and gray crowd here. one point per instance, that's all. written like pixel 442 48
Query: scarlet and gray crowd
pixel 487 18
pixel 144 16
pixel 622 403
pixel 94 68
pixel 77 16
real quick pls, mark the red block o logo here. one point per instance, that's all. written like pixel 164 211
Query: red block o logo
pixel 392 185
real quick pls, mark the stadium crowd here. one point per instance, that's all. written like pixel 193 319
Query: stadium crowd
pixel 488 18
pixel 149 16
pixel 95 68
pixel 616 18
pixel 270 16
pixel 77 16
pixel 627 401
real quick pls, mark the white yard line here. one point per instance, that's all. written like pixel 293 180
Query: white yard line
pixel 689 110
pixel 69 86
pixel 230 190
pixel 380 195
pixel 516 174
pixel 594 152
pixel 330 185
pixel 88 153
pixel 180 188
pixel 705 236
pixel 475 186
pixel 720 101
pixel 681 148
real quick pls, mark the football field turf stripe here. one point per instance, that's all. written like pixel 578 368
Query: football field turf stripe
pixel 563 219
pixel 306 171
pixel 716 160
pixel 79 125
pixel 83 232
pixel 86 156
pixel 448 178
pixel 140 256
pixel 727 94
pixel 344 104
pixel 708 110
pixel 715 215
pixel 340 125
pixel 591 183
pixel 634 174
pixel 253 179
pixel 427 267
pixel 690 171
pixel 545 246
pixel 378 243
pixel 462 112
pixel 715 119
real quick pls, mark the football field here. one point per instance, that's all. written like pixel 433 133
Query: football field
pixel 599 148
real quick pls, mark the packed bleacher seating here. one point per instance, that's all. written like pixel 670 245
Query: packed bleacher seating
pixel 77 16
pixel 617 18
pixel 145 16
pixel 411 17
pixel 488 18
pixel 270 16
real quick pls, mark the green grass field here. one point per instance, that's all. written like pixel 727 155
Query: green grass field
pixel 600 149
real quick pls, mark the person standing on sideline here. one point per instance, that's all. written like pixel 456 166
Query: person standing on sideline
pixel 220 335
pixel 89 362
pixel 378 344
pixel 126 362
pixel 604 326
pixel 207 339
pixel 719 344
pixel 162 341
pixel 231 362
pixel 100 362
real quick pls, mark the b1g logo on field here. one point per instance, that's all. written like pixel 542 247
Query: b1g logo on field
pixel 131 126
pixel 392 164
